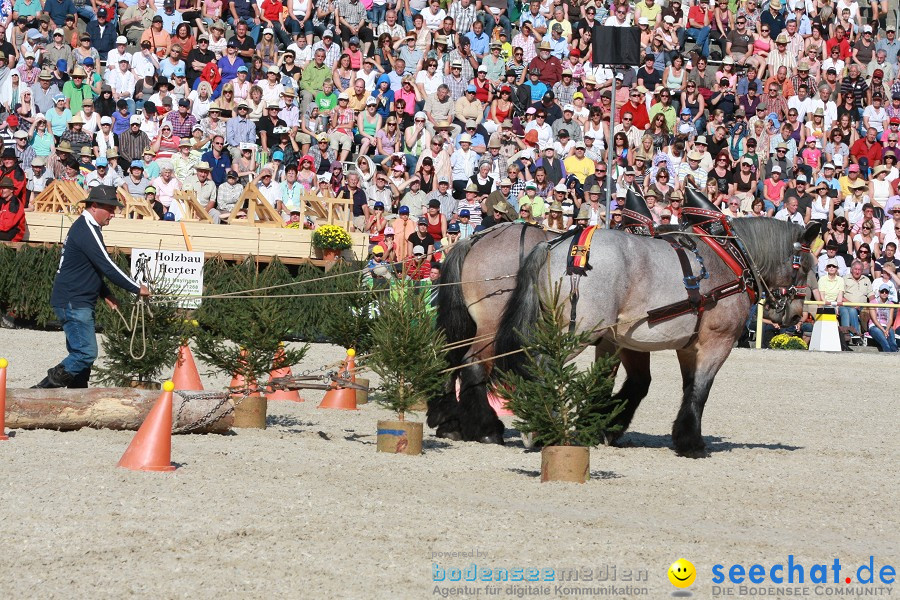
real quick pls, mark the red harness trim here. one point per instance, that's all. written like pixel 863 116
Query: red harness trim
pixel 729 259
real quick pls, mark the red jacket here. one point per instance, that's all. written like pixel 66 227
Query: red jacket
pixel 641 119
pixel 12 220
pixel 551 69
pixel 19 182
pixel 861 149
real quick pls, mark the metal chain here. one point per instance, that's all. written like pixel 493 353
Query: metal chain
pixel 210 418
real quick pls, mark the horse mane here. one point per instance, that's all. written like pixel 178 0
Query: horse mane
pixel 770 243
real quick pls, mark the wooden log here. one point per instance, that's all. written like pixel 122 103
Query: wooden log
pixel 105 408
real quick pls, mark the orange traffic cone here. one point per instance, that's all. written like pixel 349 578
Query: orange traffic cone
pixel 339 397
pixel 186 376
pixel 285 371
pixel 3 364
pixel 151 447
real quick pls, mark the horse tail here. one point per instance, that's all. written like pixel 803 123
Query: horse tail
pixel 453 316
pixel 522 311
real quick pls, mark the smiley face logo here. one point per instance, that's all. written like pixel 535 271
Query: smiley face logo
pixel 682 573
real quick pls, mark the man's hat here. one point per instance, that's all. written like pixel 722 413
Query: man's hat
pixel 104 194
pixel 8 153
pixel 7 183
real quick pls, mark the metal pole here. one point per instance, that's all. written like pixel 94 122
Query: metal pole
pixel 609 149
pixel 760 307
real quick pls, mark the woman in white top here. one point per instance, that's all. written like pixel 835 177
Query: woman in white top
pixel 853 204
pixel 867 236
pixel 300 21
pixel 201 99
pixel 879 187
pixel 822 209
pixel 429 80
pixel 91 118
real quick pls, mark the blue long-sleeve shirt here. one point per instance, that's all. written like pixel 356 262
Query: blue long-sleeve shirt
pixel 82 267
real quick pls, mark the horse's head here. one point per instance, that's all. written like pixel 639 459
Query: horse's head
pixel 788 282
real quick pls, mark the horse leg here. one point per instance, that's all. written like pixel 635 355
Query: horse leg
pixel 699 365
pixel 634 389
pixel 443 412
pixel 478 421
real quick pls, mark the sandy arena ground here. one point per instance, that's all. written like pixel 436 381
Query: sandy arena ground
pixel 804 462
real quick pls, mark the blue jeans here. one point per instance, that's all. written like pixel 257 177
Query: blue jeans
pixel 487 19
pixel 408 19
pixel 81 338
pixel 86 13
pixel 701 36
pixel 253 30
pixel 850 318
pixel 375 15
pixel 294 27
pixel 886 344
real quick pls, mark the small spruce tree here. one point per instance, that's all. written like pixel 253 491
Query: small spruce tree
pixel 408 350
pixel 242 335
pixel 554 401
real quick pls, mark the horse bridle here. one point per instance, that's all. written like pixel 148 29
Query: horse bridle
pixel 778 299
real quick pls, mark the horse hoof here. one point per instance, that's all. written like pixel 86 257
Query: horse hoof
pixel 494 438
pixel 454 436
pixel 699 452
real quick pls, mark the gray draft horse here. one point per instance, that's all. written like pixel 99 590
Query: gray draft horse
pixel 481 271
pixel 632 275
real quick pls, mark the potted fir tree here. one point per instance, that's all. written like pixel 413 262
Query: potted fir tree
pixel 242 336
pixel 137 357
pixel 565 409
pixel 331 240
pixel 409 356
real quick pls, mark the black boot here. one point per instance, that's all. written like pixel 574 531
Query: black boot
pixel 80 380
pixel 57 377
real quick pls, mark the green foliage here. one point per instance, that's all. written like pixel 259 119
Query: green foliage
pixel 241 335
pixel 164 330
pixel 408 350
pixel 346 318
pixel 784 341
pixel 28 281
pixel 552 399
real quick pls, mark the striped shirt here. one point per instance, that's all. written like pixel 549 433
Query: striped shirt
pixel 462 17
pixel 351 12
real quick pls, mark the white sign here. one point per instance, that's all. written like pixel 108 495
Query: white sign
pixel 175 271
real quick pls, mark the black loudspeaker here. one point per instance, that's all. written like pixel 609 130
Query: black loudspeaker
pixel 619 46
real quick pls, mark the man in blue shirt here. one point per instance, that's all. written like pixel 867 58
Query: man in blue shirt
pixel 479 40
pixel 218 160
pixel 240 129
pixel 79 283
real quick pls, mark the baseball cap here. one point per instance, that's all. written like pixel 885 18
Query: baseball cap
pixel 403 210
pixel 464 213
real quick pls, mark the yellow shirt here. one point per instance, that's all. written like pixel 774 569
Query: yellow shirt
pixel 580 167
pixel 830 288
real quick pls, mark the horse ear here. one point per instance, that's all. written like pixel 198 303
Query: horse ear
pixel 811 233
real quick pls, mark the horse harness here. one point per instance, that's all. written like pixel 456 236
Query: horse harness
pixel 718 234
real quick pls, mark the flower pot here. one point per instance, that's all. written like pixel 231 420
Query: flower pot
pixel 400 437
pixel 250 413
pixel 330 256
pixel 362 396
pixel 565 463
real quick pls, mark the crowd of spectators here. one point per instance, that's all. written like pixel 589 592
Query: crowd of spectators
pixel 440 117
